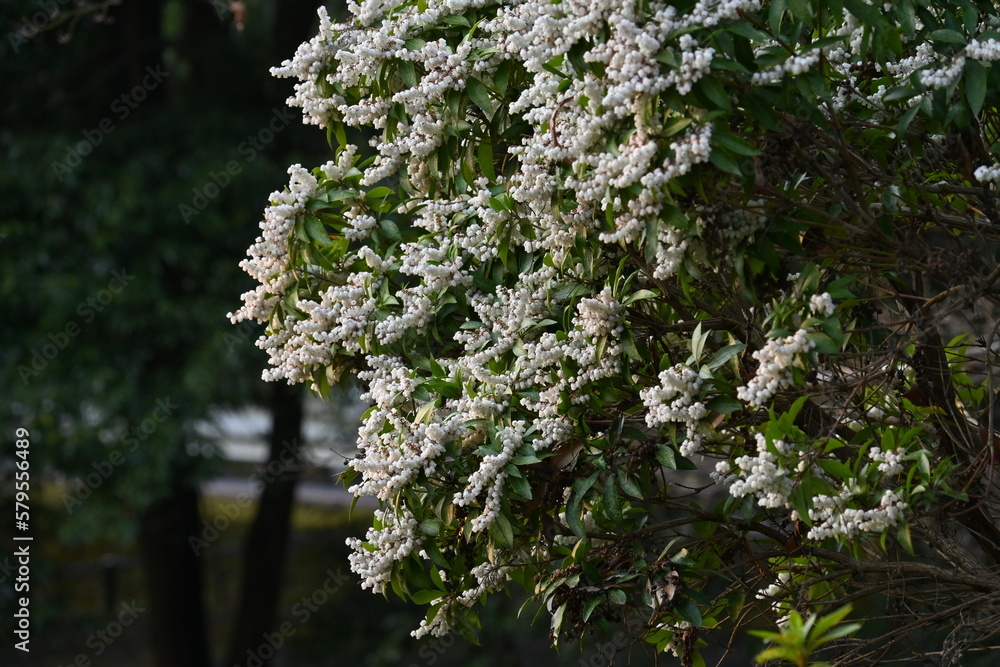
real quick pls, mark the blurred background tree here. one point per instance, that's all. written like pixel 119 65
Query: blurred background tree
pixel 139 140
pixel 122 115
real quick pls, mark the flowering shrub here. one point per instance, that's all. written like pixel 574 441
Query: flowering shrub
pixel 648 302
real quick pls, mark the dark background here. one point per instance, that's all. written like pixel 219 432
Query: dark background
pixel 139 142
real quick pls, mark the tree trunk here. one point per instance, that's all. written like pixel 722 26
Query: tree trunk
pixel 174 578
pixel 266 547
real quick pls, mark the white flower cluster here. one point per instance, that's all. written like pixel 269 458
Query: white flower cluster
pixel 832 518
pixel 776 359
pixel 268 262
pixel 338 320
pixel 491 471
pixel 770 477
pixel 988 50
pixel 568 131
pixel 793 66
pixel 762 475
pixel 778 593
pixel 593 154
pixel 943 77
pixel 392 543
pixel 542 364
pixel 569 539
pixel 890 462
pixel 778 589
pixel 735 225
pixel 392 458
pixel 488 576
pixel 822 305
pixel 674 401
pixel 600 316
pixel 988 173
pixel 676 645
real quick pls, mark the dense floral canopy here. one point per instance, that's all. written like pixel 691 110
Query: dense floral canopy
pixel 678 313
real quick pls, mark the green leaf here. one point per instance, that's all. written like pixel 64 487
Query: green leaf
pixel 907 17
pixel 801 9
pixel 668 58
pixel 457 20
pixel 735 605
pixel 907 118
pixel 697 343
pixel 744 29
pixel 502 76
pixel 520 486
pixel 612 503
pixel 316 231
pixel 775 14
pixel 899 93
pixel 485 155
pixel 715 92
pixel 431 526
pixel 574 506
pixel 501 531
pixel 339 195
pixel 557 621
pixel 629 485
pixel 478 94
pixel 390 229
pixel 948 36
pixel 599 346
pixel 836 469
pixel 734 144
pixel 824 344
pixel 729 65
pixel 407 73
pixel 868 14
pixel 425 412
pixel 763 111
pixel 688 610
pixel 724 160
pixel 639 296
pixel 675 126
pixel 665 455
pixel 436 578
pixel 617 597
pixel 725 354
pixel 724 404
pixel 905 539
pixel 824 42
pixel 629 347
pixel 975 85
pixel 423 597
pixel 590 606
pixel 380 192
pixel 684 557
